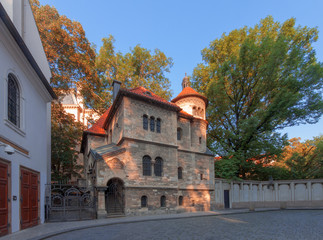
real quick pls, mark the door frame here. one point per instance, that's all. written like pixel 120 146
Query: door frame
pixel 20 195
pixel 8 163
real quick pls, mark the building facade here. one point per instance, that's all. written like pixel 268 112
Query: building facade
pixel 25 96
pixel 146 155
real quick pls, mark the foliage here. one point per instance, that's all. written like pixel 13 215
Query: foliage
pixel 259 80
pixel 70 56
pixel 65 136
pixel 139 67
pixel 303 160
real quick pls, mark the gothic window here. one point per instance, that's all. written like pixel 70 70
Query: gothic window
pixel 146 166
pixel 152 124
pixel 180 200
pixel 158 168
pixel 144 202
pixel 13 100
pixel 145 122
pixel 162 201
pixel 158 125
pixel 180 173
pixel 179 134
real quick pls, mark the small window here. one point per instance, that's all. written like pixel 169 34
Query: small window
pixel 180 173
pixel 201 176
pixel 200 140
pixel 179 133
pixel 146 166
pixel 158 125
pixel 144 202
pixel 180 200
pixel 158 169
pixel 162 201
pixel 152 124
pixel 145 122
pixel 13 100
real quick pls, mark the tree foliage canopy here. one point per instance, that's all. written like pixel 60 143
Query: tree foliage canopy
pixel 66 135
pixel 304 160
pixel 69 53
pixel 259 80
pixel 139 67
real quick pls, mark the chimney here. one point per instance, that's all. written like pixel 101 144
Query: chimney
pixel 116 87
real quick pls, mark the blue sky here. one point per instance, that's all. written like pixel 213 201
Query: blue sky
pixel 181 29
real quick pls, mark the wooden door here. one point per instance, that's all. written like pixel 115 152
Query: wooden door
pixel 29 198
pixel 3 199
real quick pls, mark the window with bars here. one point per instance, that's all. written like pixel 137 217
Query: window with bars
pixel 146 166
pixel 158 123
pixel 152 124
pixel 180 173
pixel 179 133
pixel 162 201
pixel 145 122
pixel 158 168
pixel 180 200
pixel 13 100
pixel 144 201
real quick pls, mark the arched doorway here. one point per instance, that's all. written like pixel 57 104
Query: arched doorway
pixel 114 197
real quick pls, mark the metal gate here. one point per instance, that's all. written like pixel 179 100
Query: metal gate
pixel 114 197
pixel 70 203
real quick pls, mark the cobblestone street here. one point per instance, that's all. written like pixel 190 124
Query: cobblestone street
pixel 288 224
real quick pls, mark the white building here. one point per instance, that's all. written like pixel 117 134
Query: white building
pixel 25 96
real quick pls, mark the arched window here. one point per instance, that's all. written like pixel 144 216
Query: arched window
pixel 13 100
pixel 144 202
pixel 146 166
pixel 158 169
pixel 145 122
pixel 179 133
pixel 162 201
pixel 152 124
pixel 180 200
pixel 180 173
pixel 158 125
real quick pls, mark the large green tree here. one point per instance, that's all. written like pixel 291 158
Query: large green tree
pixel 66 135
pixel 139 67
pixel 258 80
pixel 70 55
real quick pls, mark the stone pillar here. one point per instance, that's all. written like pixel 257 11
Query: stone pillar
pixel 292 190
pixel 101 212
pixel 232 193
pixel 309 189
pixel 276 189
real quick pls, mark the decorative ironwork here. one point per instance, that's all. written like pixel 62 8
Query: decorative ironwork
pixel 146 166
pixel 67 202
pixel 114 197
pixel 158 168
pixel 13 100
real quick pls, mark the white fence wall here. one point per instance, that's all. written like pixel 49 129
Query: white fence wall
pixel 259 194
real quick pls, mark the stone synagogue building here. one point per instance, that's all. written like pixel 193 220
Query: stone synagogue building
pixel 146 155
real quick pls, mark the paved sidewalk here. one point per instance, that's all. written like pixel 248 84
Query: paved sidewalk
pixel 51 229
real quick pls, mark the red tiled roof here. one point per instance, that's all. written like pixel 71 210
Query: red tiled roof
pixel 188 91
pixel 97 128
pixel 143 92
pixel 184 114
